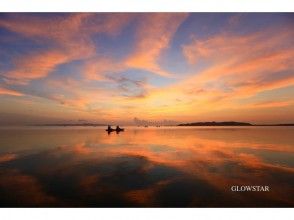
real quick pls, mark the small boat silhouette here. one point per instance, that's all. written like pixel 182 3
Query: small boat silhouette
pixel 118 129
pixel 110 130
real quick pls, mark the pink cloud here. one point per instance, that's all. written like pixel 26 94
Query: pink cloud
pixel 245 65
pixel 7 157
pixel 4 91
pixel 99 68
pixel 36 65
pixel 70 37
pixel 272 104
pixel 153 36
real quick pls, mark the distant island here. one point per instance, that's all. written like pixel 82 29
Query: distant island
pixel 230 123
pixel 291 124
pixel 213 123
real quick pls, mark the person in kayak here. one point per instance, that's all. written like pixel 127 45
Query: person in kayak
pixel 109 129
pixel 119 129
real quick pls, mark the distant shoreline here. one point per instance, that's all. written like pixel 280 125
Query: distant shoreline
pixel 230 123
pixel 76 124
pixel 213 123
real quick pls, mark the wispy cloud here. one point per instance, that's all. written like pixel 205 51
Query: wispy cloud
pixel 154 35
pixel 100 68
pixel 272 104
pixel 4 91
pixel 114 64
pixel 34 66
pixel 69 37
pixel 242 66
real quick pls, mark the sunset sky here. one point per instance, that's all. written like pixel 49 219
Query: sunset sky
pixel 111 68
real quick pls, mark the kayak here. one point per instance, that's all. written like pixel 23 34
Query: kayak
pixel 117 130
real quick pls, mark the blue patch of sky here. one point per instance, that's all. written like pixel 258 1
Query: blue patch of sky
pixel 100 84
pixel 14 45
pixel 205 25
pixel 279 94
pixel 133 75
pixel 202 26
pixel 116 46
pixel 40 87
pixel 151 78
pixel 256 22
pixel 197 25
pixel 72 69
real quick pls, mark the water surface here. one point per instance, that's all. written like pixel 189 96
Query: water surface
pixel 146 167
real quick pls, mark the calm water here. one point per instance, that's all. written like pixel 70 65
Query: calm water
pixel 146 167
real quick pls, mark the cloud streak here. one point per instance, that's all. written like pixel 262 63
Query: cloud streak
pixel 154 36
pixel 4 91
pixel 69 36
pixel 116 64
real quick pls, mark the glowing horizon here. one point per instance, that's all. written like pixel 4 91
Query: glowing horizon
pixel 114 67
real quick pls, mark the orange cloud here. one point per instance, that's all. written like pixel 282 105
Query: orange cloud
pixel 4 91
pixel 271 104
pixel 154 35
pixel 226 46
pixel 37 65
pixel 70 38
pixel 33 195
pixel 241 66
pixel 7 157
pixel 99 68
pixel 238 66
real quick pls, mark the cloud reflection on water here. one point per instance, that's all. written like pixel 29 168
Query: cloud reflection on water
pixel 158 168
